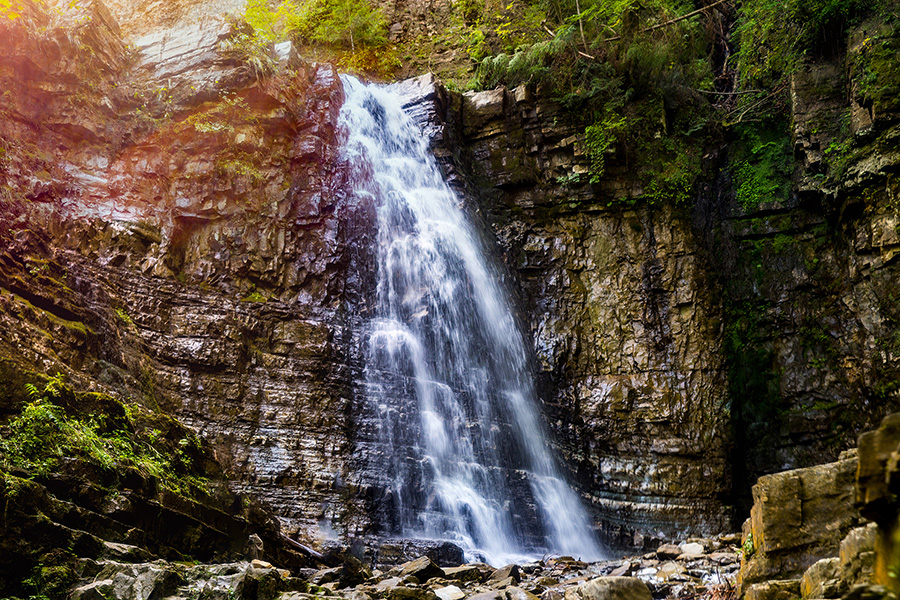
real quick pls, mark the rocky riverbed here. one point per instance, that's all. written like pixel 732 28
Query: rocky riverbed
pixel 697 568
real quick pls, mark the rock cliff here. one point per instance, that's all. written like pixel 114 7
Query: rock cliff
pixel 176 231
pixel 685 351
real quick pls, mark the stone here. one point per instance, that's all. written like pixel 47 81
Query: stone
pixel 324 576
pixel 287 55
pixel 489 595
pixel 798 517
pixel 410 593
pixel 422 568
pixel 669 570
pixel 553 594
pixel 875 449
pixel 517 593
pixel 822 580
pixel 96 590
pixel 443 553
pixel 499 584
pixel 610 588
pixel 255 547
pixel 450 592
pixel 868 591
pixel 470 572
pixel 857 555
pixel 724 558
pixel 773 590
pixel 667 551
pixel 507 572
pixel 693 548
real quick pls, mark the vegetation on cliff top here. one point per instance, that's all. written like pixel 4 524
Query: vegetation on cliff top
pixel 659 83
pixel 352 33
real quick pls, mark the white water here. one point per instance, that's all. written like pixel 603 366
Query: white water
pixel 463 456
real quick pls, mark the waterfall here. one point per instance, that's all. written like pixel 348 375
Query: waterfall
pixel 455 441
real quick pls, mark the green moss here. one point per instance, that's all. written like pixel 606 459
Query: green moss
pixel 254 297
pixel 113 436
pixel 782 242
pixel 762 163
pixel 877 72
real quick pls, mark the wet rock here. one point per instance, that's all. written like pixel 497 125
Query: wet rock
pixel 445 554
pixel 669 571
pixel 610 588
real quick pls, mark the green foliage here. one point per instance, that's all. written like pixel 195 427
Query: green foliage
pixel 124 316
pixel 354 29
pixel 44 434
pixel 762 163
pixel 747 548
pixel 626 72
pixel 598 138
pixel 877 72
pixel 254 296
pixel 253 49
pixel 775 36
pixel 345 23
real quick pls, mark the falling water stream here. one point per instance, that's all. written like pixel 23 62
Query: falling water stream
pixel 461 451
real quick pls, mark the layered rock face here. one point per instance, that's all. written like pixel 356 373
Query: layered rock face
pixel 175 232
pixel 625 317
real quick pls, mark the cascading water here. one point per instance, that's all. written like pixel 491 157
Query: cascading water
pixel 455 439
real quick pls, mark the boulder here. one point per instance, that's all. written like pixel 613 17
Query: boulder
pixel 610 588
pixel 667 551
pixel 450 592
pixel 423 569
pixel 692 548
pixel 470 572
pixel 410 593
pixel 798 517
pixel 822 580
pixel 394 552
pixel 507 572
pixel 857 555
pixel 489 595
pixel 517 593
pixel 773 590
